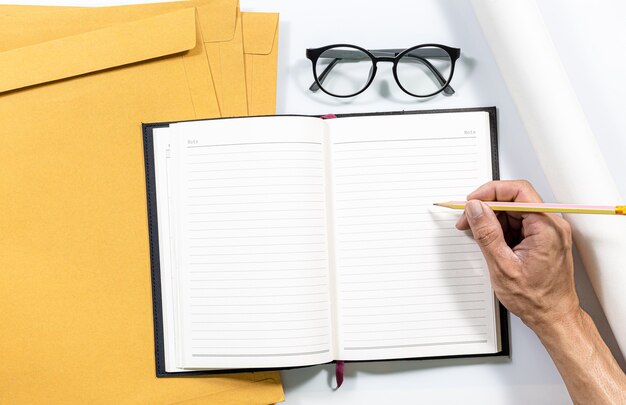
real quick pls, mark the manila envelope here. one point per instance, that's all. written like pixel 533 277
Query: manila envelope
pixel 75 296
pixel 223 44
pixel 260 43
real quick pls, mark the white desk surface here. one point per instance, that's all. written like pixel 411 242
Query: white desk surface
pixel 591 40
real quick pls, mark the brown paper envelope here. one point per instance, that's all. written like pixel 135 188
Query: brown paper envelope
pixel 224 47
pixel 222 38
pixel 260 41
pixel 46 23
pixel 75 298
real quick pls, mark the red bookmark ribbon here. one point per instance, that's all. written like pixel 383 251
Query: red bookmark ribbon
pixel 339 368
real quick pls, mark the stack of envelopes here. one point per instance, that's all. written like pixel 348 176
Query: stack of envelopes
pixel 75 85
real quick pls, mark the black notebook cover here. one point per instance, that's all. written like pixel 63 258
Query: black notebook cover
pixel 153 231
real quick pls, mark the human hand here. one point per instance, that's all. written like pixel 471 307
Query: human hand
pixel 529 255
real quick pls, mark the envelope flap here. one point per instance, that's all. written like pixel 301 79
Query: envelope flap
pixel 259 32
pixel 91 51
pixel 218 20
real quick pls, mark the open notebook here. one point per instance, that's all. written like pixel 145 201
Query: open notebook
pixel 287 241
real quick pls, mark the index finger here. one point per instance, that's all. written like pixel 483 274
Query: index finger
pixel 506 190
pixel 503 190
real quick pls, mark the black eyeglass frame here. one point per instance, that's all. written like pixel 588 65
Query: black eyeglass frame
pixel 313 55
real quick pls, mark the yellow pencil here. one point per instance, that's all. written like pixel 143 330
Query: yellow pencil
pixel 543 207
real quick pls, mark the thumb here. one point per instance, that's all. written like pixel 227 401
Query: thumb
pixel 486 230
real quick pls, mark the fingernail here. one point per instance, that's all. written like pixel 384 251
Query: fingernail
pixel 473 209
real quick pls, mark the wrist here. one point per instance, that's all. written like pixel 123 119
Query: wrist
pixel 586 364
pixel 560 326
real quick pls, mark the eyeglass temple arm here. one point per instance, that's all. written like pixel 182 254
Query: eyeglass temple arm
pixel 315 87
pixel 442 81
pixel 345 54
pixel 337 55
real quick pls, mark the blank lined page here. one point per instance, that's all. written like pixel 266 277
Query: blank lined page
pixel 252 225
pixel 167 241
pixel 408 283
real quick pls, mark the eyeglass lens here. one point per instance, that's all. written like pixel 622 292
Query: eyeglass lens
pixel 424 71
pixel 344 71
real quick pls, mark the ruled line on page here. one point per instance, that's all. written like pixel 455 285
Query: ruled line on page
pixel 261 227
pixel 229 295
pixel 264 321
pixel 352 183
pixel 255 211
pixel 261 338
pixel 450 221
pixel 424 210
pixel 277 167
pixel 369 158
pixel 398 255
pixel 412 271
pixel 385 322
pixel 403 239
pixel 262 160
pixel 418 304
pixel 416 279
pixel 412 246
pixel 417 287
pixel 214 280
pixel 405 140
pixel 421 295
pixel 257 347
pixel 386 297
pixel 478 257
pixel 249 143
pixel 257 304
pixel 255 254
pixel 254 202
pixel 257 219
pixel 316 151
pixel 260 261
pixel 415 345
pixel 396 198
pixel 417 204
pixel 384 314
pixel 255 330
pixel 292 235
pixel 421 147
pixel 356 340
pixel 387 190
pixel 397 230
pixel 424 328
pixel 256 185
pixel 257 194
pixel 264 343
pixel 390 215
pixel 259 177
pixel 261 355
pixel 392 173
pixel 395 165
pixel 256 287
pixel 256 270
pixel 256 244
pixel 306 311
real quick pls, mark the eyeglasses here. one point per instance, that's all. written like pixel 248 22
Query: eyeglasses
pixel 347 70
